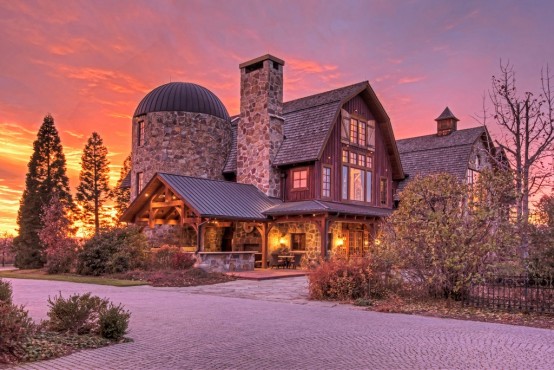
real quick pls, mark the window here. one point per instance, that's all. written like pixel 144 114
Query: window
pixel 356 243
pixel 383 191
pixel 326 185
pixel 369 161
pixel 368 187
pixel 300 179
pixel 472 177
pixel 354 131
pixel 140 133
pixel 298 242
pixel 356 190
pixel 361 133
pixel 344 182
pixel 361 160
pixel 140 183
pixel 345 156
pixel 353 158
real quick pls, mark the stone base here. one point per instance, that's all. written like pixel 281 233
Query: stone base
pixel 226 261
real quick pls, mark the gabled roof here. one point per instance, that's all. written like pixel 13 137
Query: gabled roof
pixel 446 114
pixel 430 154
pixel 208 198
pixel 320 206
pixel 308 123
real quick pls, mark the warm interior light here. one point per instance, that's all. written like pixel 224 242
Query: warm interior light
pixel 282 241
pixel 377 242
pixel 146 195
pixel 340 242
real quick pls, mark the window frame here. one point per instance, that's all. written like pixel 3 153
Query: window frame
pixel 323 169
pixel 140 132
pixel 384 180
pixel 299 170
pixel 302 242
pixel 140 182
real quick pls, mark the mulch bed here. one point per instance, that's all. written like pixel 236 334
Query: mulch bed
pixel 177 278
pixel 455 310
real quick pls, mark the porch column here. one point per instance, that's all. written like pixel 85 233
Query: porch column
pixel 323 231
pixel 200 237
pixel 264 232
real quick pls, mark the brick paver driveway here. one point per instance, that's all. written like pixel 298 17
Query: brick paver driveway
pixel 208 328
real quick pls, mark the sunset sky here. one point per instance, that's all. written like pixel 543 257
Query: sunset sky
pixel 89 63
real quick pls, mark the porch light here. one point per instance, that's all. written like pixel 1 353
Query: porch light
pixel 377 242
pixel 282 240
pixel 340 242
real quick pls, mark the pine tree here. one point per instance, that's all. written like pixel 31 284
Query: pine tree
pixel 46 177
pixel 122 195
pixel 93 190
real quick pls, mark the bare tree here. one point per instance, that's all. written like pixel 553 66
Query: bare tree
pixel 527 122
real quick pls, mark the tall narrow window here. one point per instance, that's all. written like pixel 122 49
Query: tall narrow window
pixel 356 184
pixel 354 131
pixel 140 133
pixel 326 185
pixel 345 156
pixel 368 184
pixel 361 133
pixel 140 183
pixel 300 179
pixel 383 191
pixel 344 182
pixel 298 242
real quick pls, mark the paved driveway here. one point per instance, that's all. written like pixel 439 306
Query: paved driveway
pixel 210 328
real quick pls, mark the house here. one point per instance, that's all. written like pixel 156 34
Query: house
pixel 314 174
pixel 461 153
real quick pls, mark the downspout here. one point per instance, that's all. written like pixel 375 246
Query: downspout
pixel 199 236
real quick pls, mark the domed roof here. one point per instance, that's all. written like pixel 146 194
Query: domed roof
pixel 182 96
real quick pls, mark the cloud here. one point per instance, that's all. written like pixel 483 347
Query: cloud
pixel 410 79
pixel 74 134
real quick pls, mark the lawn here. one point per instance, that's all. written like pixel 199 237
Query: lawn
pixel 72 278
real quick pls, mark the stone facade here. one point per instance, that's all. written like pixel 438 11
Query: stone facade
pixel 260 130
pixel 243 240
pixel 189 144
pixel 226 261
pixel 184 237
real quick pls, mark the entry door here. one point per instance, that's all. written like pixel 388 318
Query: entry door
pixel 356 244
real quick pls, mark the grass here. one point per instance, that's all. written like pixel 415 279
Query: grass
pixel 71 278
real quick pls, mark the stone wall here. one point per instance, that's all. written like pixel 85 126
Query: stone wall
pixel 260 129
pixel 191 144
pixel 241 237
pixel 311 230
pixel 172 235
pixel 226 261
pixel 213 237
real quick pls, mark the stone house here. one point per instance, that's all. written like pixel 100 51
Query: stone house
pixel 314 175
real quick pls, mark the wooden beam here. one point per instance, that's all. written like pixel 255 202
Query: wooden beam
pixel 172 203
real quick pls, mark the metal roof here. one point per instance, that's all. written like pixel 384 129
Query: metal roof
pixel 182 97
pixel 319 206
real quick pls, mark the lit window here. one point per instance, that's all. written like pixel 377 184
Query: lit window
pixel 345 156
pixel 368 184
pixel 140 133
pixel 383 191
pixel 369 161
pixel 353 158
pixel 140 183
pixel 361 160
pixel 472 177
pixel 356 184
pixel 344 182
pixel 354 131
pixel 298 242
pixel 361 133
pixel 299 179
pixel 326 186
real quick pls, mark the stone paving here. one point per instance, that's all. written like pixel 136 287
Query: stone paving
pixel 271 325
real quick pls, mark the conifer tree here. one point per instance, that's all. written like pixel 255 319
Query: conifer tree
pixel 122 196
pixel 46 177
pixel 94 189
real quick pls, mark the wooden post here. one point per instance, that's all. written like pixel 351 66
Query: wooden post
pixel 265 231
pixel 323 231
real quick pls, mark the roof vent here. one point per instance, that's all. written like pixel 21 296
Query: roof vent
pixel 446 123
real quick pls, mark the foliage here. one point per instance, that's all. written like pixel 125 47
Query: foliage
pixel 77 314
pixel 447 234
pixel 113 322
pixel 341 279
pixel 122 196
pixel 527 121
pixel 5 292
pixel 170 257
pixel 178 278
pixel 45 178
pixel 6 246
pixel 71 278
pixel 15 328
pixel 113 251
pixel 93 190
pixel 541 250
pixel 55 236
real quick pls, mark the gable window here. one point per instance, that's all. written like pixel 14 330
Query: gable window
pixel 300 179
pixel 354 131
pixel 140 133
pixel 356 176
pixel 298 242
pixel 472 177
pixel 140 179
pixel 356 190
pixel 383 191
pixel 326 183
pixel 361 132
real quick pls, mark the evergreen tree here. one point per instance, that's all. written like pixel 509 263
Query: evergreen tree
pixel 46 177
pixel 122 195
pixel 94 189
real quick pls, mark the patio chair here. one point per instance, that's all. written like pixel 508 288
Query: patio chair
pixel 274 261
pixel 296 262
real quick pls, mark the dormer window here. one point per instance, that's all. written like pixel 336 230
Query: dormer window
pixel 357 131
pixel 300 179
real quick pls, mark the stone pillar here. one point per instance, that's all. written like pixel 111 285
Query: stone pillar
pixel 260 129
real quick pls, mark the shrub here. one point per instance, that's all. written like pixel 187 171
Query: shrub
pixel 170 257
pixel 5 292
pixel 340 279
pixel 113 251
pixel 113 322
pixel 15 327
pixel 76 314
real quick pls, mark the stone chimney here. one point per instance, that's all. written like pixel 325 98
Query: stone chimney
pixel 446 123
pixel 260 129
